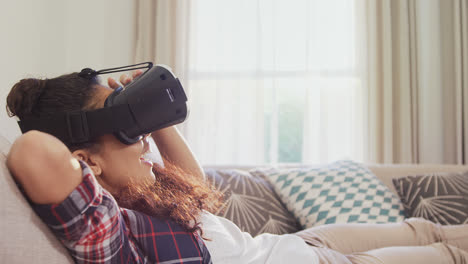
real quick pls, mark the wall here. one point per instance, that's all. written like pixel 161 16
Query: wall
pixel 46 38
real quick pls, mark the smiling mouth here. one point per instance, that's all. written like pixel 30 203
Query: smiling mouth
pixel 146 161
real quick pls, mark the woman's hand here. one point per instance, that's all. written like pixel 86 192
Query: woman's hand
pixel 124 79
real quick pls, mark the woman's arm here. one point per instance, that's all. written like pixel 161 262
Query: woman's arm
pixel 44 167
pixel 67 198
pixel 173 147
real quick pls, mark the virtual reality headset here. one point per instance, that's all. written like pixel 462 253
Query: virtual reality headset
pixel 152 101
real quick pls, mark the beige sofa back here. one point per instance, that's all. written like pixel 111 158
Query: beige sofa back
pixel 24 238
pixel 387 172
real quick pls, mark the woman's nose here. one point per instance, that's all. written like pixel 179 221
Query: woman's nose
pixel 146 143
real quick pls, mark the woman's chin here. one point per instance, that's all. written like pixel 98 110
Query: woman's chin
pixel 152 176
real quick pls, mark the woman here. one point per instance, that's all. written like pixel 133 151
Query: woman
pixel 108 204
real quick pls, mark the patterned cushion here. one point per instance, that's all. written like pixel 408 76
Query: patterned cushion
pixel 438 197
pixel 342 192
pixel 251 203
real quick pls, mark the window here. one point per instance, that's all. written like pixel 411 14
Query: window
pixel 273 82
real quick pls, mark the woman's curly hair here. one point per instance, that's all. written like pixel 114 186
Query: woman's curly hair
pixel 175 194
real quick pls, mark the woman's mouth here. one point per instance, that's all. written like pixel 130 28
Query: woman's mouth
pixel 146 161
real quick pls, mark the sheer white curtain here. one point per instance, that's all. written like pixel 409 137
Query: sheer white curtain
pixel 414 61
pixel 312 81
pixel 268 81
pixel 273 82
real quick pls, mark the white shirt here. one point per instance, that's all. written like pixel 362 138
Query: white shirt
pixel 230 245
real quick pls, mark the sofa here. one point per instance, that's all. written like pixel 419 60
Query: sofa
pixel 25 239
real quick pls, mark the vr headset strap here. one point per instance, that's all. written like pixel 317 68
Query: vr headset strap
pixel 82 126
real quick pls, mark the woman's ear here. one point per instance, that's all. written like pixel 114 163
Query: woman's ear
pixel 91 160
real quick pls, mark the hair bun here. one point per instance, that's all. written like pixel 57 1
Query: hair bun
pixel 24 96
pixel 87 73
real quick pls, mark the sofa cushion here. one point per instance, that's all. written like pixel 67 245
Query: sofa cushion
pixel 251 203
pixel 438 197
pixel 342 192
pixel 24 239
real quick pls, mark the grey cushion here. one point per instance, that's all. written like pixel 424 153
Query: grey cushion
pixel 24 239
pixel 438 197
pixel 251 203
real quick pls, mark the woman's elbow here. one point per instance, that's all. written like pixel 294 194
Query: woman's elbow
pixel 20 154
pixel 36 161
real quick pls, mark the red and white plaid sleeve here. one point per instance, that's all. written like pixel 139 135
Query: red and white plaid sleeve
pixel 89 224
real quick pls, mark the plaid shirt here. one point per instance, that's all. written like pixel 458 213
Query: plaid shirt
pixel 94 229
